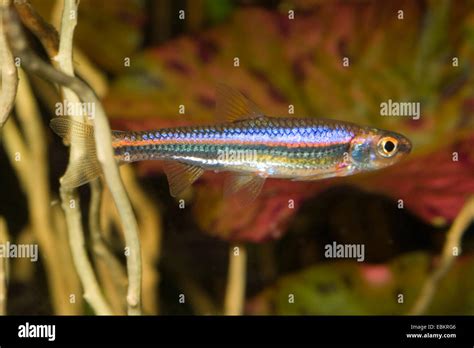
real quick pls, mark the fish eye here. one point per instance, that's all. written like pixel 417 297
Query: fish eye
pixel 387 146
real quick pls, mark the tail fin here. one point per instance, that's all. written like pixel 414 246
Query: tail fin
pixel 86 168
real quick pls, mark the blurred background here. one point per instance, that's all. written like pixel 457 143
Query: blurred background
pixel 146 58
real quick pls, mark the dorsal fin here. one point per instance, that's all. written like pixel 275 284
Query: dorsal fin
pixel 181 176
pixel 232 105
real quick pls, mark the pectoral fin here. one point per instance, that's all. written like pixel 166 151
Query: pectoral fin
pixel 181 176
pixel 321 176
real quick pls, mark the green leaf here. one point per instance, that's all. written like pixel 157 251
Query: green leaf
pixel 351 288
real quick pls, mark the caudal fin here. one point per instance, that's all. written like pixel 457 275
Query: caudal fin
pixel 85 168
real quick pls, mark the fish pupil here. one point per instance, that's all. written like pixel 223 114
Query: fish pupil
pixel 389 146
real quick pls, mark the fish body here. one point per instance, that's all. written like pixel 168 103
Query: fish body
pixel 288 148
pixel 248 144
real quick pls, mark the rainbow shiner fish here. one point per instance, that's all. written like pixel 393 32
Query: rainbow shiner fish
pixel 249 144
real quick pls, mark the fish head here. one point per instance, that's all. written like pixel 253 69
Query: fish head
pixel 375 149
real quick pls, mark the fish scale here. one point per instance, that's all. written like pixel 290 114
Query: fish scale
pixel 313 144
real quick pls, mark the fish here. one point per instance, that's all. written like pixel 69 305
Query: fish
pixel 248 144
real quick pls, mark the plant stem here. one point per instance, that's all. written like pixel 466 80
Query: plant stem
pixel 235 293
pixel 9 75
pixel 451 249
pixel 105 153
pixel 3 269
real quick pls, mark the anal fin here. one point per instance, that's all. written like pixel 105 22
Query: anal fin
pixel 245 187
pixel 181 176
